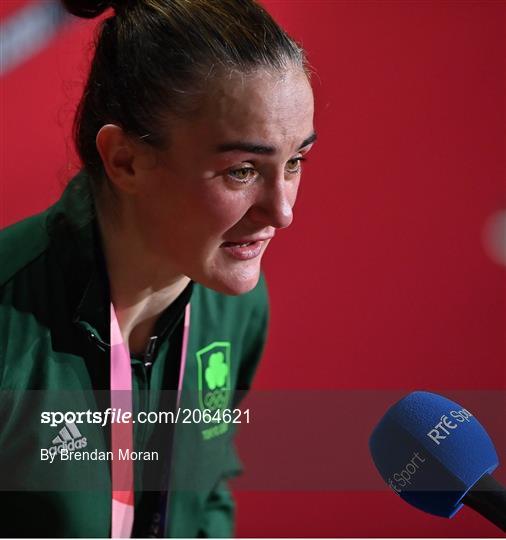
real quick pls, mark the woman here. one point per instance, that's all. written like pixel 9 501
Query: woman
pixel 145 275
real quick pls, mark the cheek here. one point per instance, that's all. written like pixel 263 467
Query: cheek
pixel 195 211
pixel 203 216
pixel 209 211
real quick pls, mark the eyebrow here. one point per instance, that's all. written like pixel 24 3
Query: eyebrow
pixel 254 148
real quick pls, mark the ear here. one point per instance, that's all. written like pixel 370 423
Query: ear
pixel 118 156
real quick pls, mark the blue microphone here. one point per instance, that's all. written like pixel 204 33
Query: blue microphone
pixel 437 457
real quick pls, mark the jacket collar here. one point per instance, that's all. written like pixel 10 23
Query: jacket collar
pixel 73 227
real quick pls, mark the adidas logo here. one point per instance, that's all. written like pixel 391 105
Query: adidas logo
pixel 69 438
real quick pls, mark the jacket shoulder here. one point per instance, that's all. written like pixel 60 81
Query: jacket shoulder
pixel 21 243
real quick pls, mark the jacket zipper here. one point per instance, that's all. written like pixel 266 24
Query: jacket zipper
pixel 150 349
pixel 147 362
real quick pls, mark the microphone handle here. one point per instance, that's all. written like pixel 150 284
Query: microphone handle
pixel 488 498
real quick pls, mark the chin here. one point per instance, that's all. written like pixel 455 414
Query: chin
pixel 234 285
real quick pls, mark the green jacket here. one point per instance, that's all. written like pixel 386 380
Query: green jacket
pixel 54 356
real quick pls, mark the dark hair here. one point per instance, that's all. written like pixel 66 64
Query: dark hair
pixel 153 56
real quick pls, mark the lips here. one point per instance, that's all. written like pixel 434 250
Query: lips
pixel 245 248
pixel 246 241
pixel 243 252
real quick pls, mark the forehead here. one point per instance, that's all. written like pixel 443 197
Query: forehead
pixel 267 107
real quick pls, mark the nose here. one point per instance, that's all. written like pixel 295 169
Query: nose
pixel 274 205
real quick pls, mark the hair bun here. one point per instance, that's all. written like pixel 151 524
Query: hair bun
pixel 88 9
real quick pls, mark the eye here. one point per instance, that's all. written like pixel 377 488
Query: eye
pixel 243 175
pixel 294 165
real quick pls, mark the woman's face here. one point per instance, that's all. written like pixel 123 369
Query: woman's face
pixel 229 176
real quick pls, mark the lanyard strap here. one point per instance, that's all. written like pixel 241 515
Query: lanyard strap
pixel 122 517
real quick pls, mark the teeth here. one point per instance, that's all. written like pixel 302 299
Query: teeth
pixel 232 244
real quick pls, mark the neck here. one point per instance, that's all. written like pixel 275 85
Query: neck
pixel 142 285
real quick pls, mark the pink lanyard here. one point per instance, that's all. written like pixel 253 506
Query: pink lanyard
pixel 122 517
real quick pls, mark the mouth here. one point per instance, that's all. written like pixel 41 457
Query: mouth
pixel 243 250
pixel 237 244
pixel 247 241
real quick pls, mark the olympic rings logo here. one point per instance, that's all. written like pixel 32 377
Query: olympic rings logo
pixel 216 399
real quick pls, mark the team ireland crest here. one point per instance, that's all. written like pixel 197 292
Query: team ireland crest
pixel 214 375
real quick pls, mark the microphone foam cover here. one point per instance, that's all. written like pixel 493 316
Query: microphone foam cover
pixel 431 451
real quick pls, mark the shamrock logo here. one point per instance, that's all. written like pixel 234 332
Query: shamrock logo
pixel 216 371
pixel 214 375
